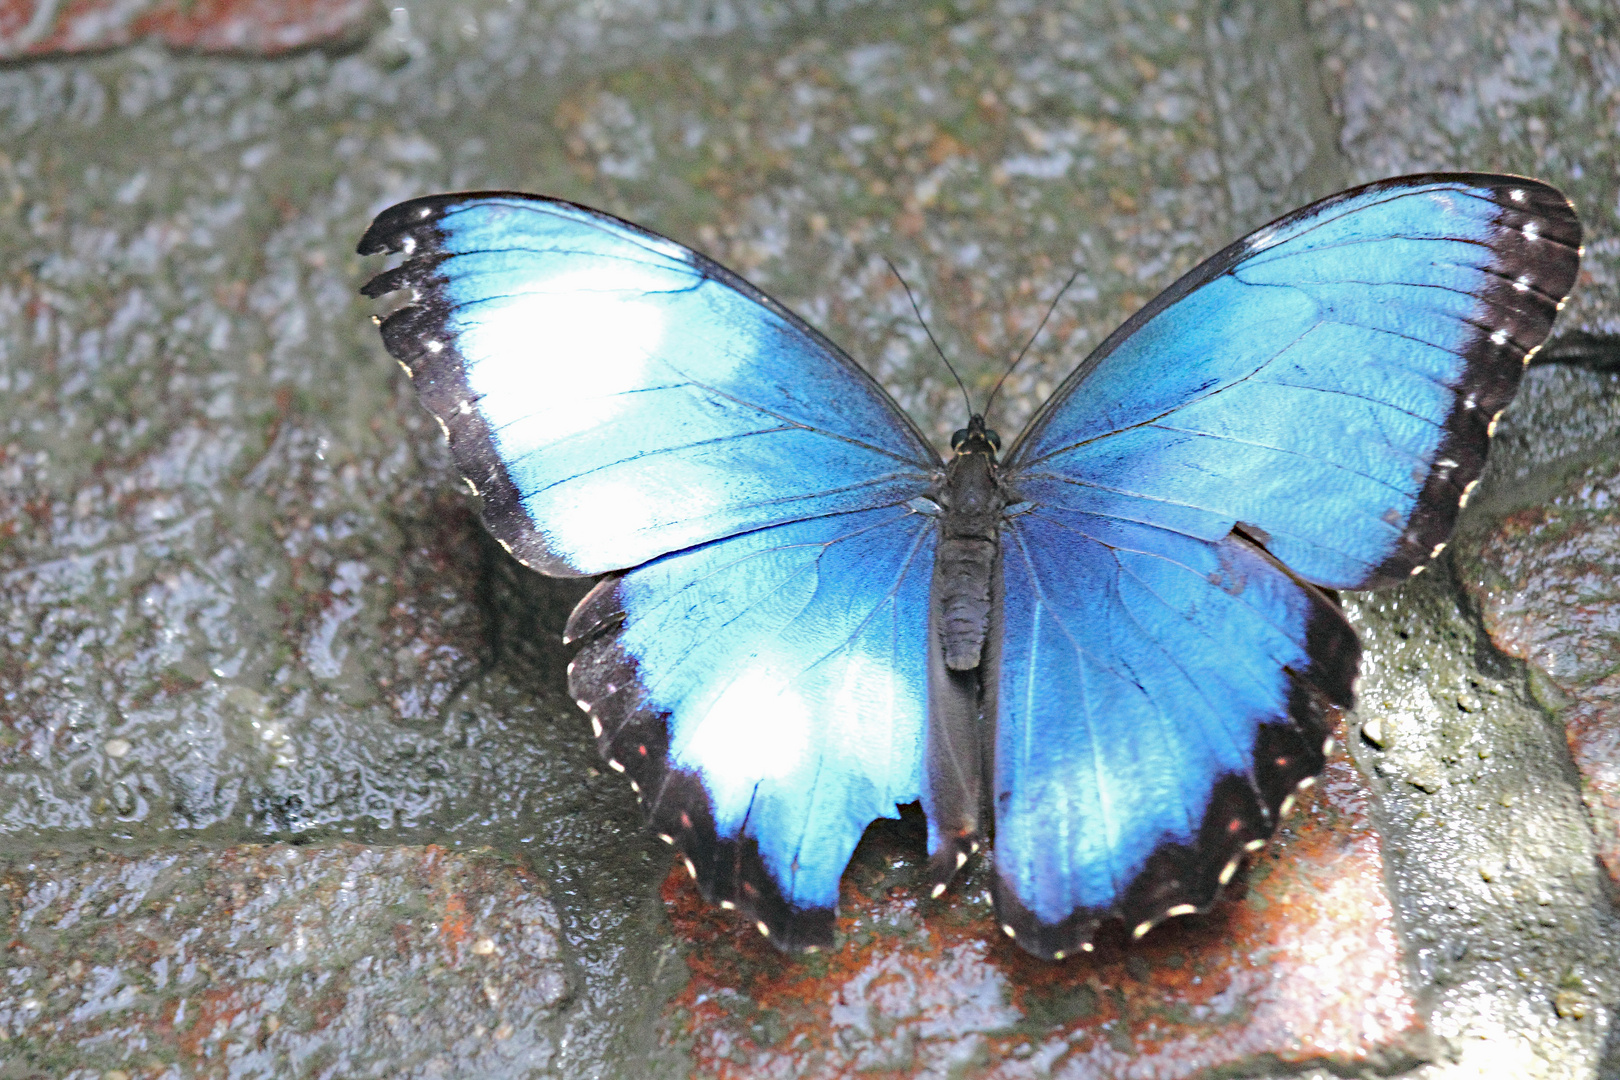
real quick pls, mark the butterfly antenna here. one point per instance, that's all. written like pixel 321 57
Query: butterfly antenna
pixel 1049 309
pixel 918 311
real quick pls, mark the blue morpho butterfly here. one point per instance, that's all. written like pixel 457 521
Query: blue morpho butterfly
pixel 1114 644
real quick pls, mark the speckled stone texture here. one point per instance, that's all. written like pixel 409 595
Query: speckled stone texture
pixel 278 961
pixel 250 628
pixel 260 27
pixel 1548 584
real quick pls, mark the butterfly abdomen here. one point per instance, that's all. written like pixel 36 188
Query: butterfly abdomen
pixel 969 530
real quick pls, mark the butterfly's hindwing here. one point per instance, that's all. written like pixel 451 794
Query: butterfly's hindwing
pixel 614 396
pixel 1158 698
pixel 766 694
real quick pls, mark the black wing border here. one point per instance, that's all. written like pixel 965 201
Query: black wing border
pixel 1244 810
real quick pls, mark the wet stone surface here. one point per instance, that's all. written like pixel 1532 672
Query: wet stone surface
pixel 1504 913
pixel 1548 586
pixel 1304 967
pixel 278 961
pixel 259 27
pixel 245 601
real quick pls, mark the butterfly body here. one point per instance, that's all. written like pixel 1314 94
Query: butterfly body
pixel 961 612
pixel 1115 648
pixel 969 533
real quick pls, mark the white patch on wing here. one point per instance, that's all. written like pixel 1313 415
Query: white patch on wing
pixel 563 349
pixel 758 728
pixel 1261 241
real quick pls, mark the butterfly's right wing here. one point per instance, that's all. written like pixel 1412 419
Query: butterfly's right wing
pixel 1329 383
pixel 1307 409
pixel 1159 699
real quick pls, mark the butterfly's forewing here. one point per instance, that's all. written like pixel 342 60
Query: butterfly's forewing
pixel 755 659
pixel 1329 382
pixel 1311 405
pixel 614 396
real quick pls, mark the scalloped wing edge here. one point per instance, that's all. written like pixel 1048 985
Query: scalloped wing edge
pixel 632 737
pixel 415 337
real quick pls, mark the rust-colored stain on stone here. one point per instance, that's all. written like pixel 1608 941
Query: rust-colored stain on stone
pixel 31 28
pixel 1548 585
pixel 1302 965
pixel 453 929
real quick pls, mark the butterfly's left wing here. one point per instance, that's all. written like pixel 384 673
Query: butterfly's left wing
pixel 1306 409
pixel 754 659
pixel 765 694
pixel 613 396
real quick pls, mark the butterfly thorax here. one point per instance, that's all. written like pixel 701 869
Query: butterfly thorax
pixel 973 501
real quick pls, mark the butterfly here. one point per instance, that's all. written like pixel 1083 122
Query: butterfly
pixel 1115 647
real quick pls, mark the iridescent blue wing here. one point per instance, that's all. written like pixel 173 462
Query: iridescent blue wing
pixel 614 396
pixel 1159 697
pixel 1329 382
pixel 755 659
pixel 1308 408
pixel 766 696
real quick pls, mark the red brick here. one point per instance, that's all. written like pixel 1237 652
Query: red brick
pixel 31 28
pixel 1548 585
pixel 1303 965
